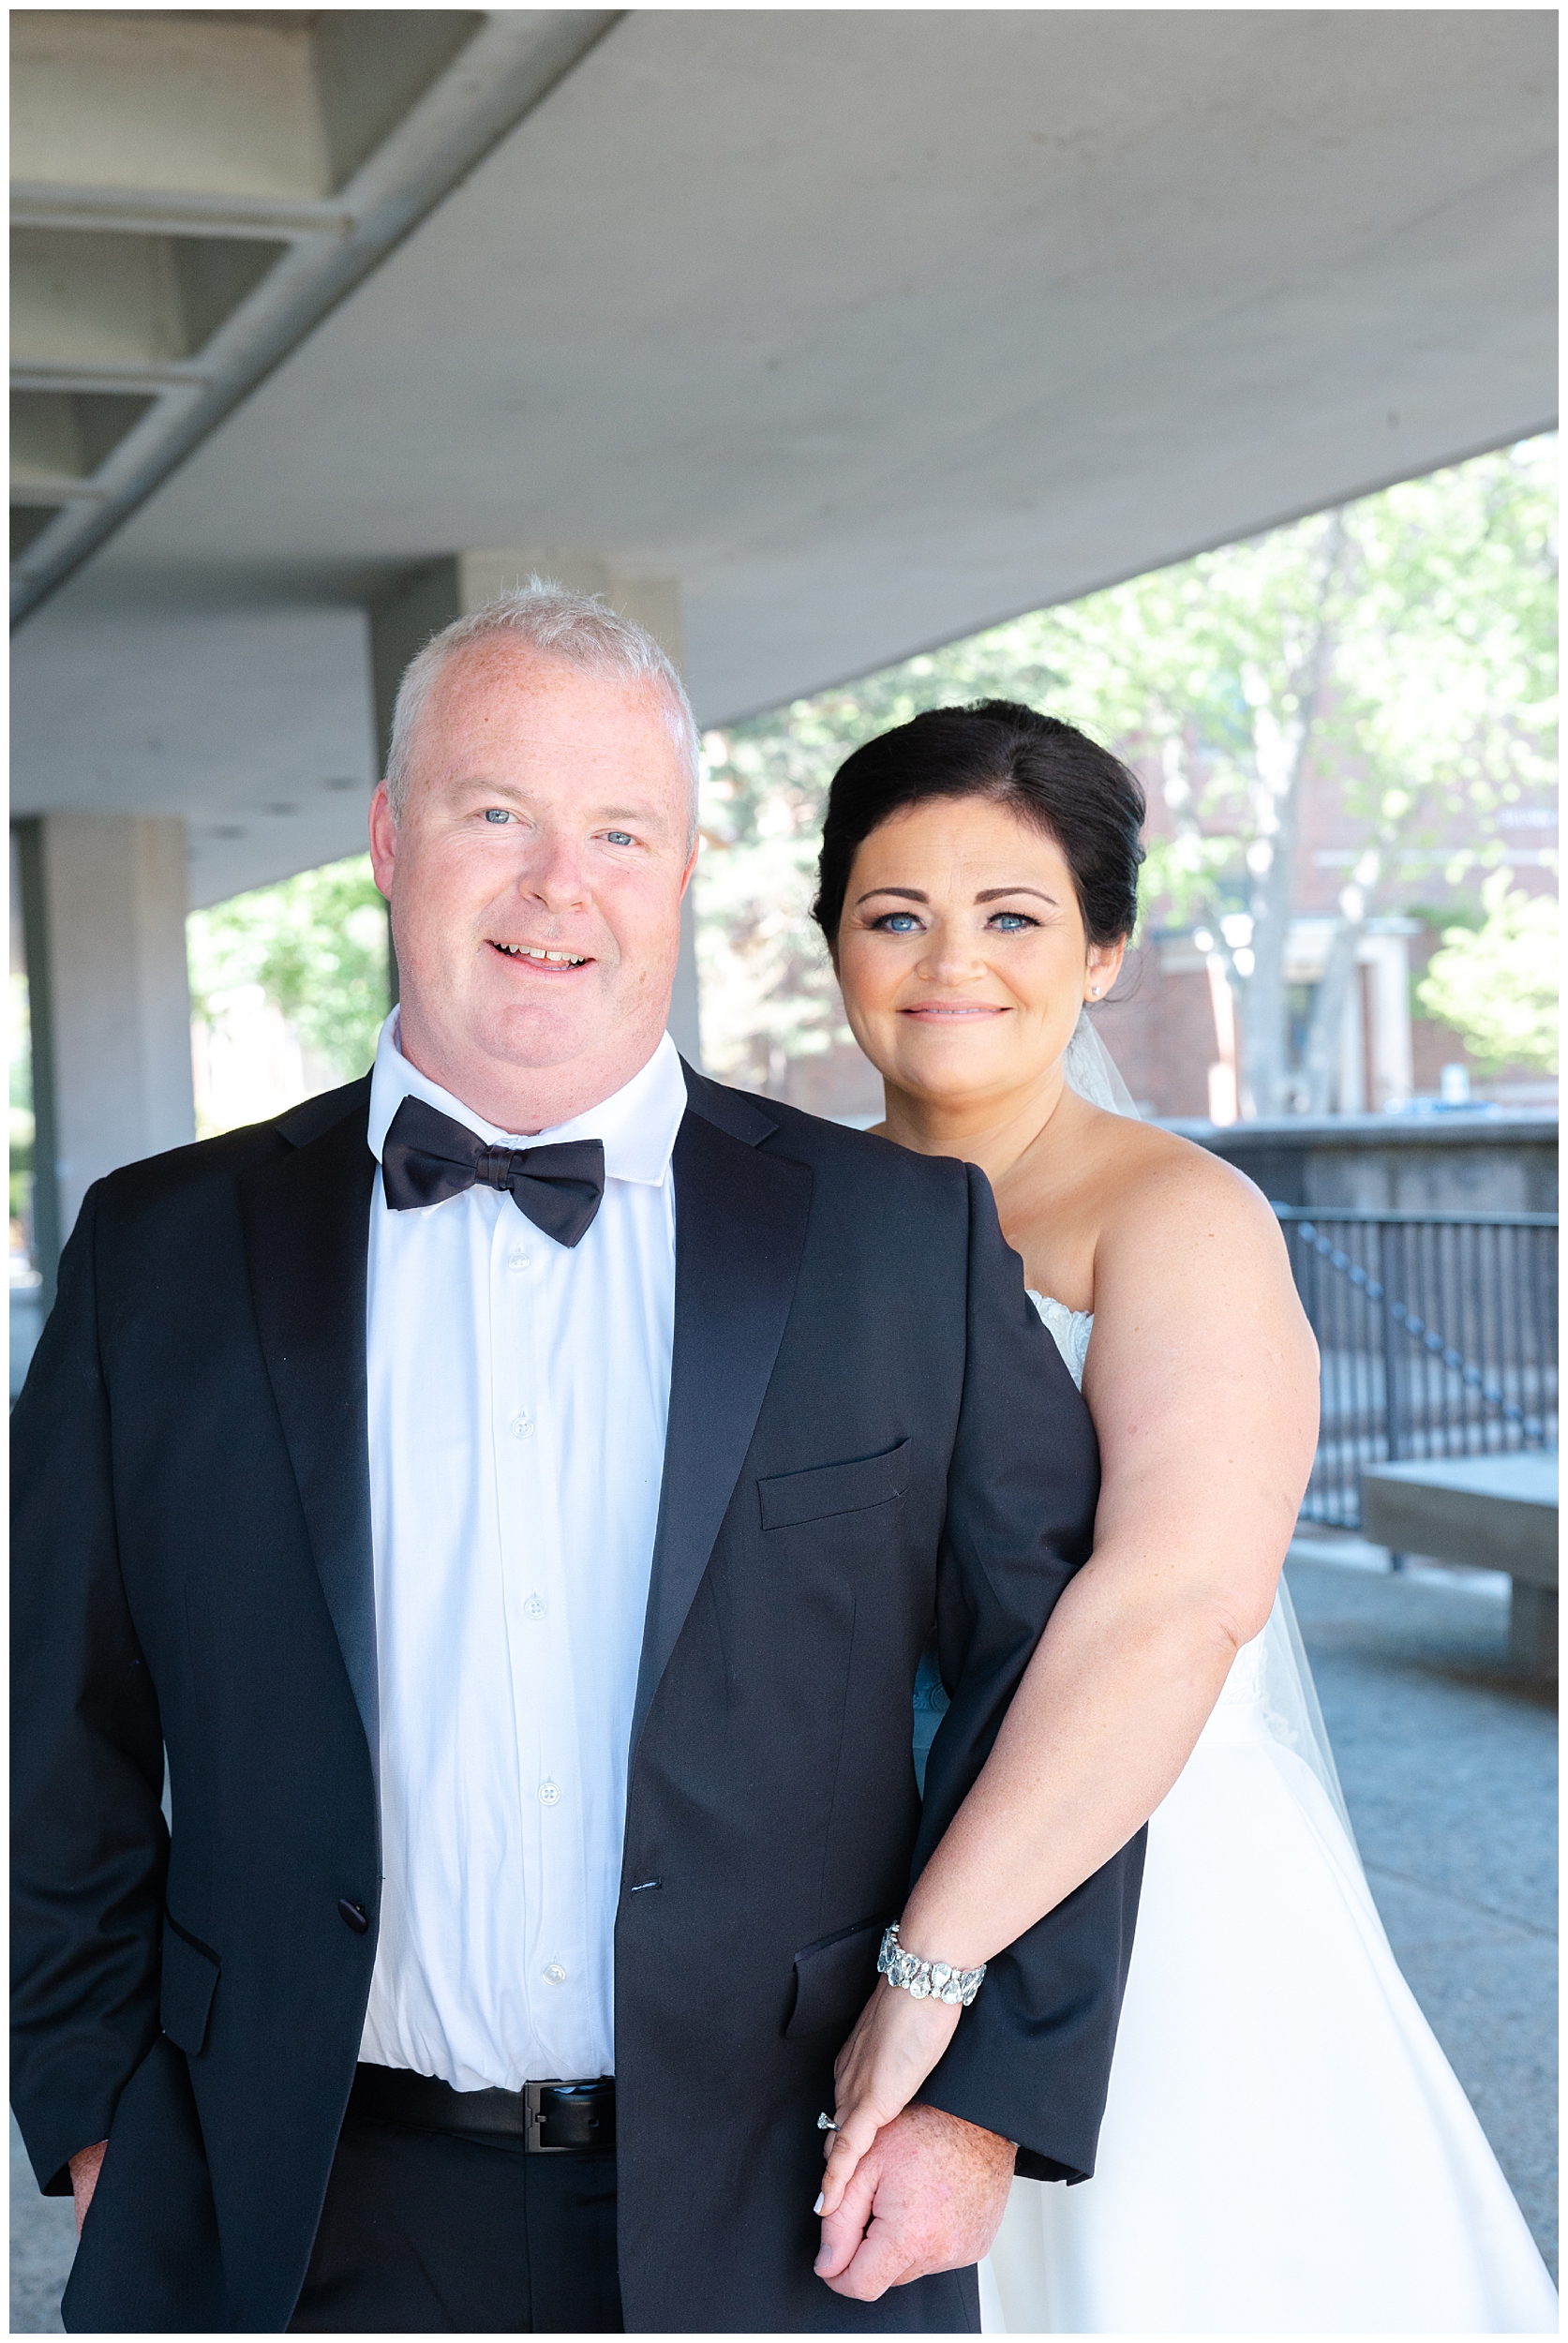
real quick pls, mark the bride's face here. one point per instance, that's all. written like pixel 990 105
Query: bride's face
pixel 962 952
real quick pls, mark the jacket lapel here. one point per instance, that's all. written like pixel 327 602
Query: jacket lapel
pixel 741 1228
pixel 306 1217
pixel 740 1233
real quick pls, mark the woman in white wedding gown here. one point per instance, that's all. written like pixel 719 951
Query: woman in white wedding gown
pixel 1285 2149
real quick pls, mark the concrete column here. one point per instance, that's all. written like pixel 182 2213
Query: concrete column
pixel 103 902
pixel 1385 954
pixel 1223 1095
pixel 1350 1087
pixel 403 621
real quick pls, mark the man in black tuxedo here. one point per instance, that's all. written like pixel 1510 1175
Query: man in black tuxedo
pixel 523 1553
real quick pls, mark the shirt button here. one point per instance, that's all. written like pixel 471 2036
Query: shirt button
pixel 549 1795
pixel 555 1973
pixel 522 1427
pixel 516 1261
pixel 535 1607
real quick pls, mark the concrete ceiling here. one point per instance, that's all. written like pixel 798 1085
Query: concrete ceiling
pixel 867 327
pixel 192 191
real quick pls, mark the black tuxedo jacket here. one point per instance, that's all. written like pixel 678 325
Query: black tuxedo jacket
pixel 871 1438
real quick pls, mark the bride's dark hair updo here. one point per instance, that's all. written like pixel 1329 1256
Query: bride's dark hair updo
pixel 1047 772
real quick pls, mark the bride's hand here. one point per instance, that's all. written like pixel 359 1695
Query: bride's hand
pixel 896 2042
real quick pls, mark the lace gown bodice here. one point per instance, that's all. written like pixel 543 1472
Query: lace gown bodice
pixel 1070 1330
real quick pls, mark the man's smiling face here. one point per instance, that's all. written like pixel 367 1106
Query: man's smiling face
pixel 535 879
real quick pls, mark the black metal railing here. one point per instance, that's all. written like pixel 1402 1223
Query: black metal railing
pixel 1438 1332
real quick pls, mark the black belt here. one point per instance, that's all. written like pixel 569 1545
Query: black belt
pixel 548 2118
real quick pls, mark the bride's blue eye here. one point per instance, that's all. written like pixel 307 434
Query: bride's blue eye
pixel 897 924
pixel 1010 923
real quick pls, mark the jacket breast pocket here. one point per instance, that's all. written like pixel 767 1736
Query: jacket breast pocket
pixel 833 1980
pixel 791 1498
pixel 190 1975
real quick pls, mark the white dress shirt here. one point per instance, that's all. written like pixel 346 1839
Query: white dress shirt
pixel 519 1394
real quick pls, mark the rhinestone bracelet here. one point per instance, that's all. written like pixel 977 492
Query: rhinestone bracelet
pixel 925 1980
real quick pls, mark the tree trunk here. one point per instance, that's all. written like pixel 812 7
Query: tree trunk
pixel 1328 1014
pixel 1328 1009
pixel 1281 751
pixel 1266 1023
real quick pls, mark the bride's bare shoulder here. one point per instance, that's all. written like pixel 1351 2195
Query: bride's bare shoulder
pixel 1161 1190
pixel 1145 1151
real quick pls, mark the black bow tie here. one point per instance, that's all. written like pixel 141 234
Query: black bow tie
pixel 426 1157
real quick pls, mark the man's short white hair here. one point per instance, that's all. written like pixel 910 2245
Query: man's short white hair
pixel 580 629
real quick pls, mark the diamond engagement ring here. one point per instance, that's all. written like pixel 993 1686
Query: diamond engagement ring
pixel 825 2123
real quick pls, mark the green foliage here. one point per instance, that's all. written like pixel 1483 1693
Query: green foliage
pixel 1497 984
pixel 317 944
pixel 1426 614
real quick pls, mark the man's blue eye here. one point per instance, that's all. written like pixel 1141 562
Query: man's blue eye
pixel 497 813
pixel 619 836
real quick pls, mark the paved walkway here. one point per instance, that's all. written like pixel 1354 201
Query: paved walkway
pixel 43 2239
pixel 1449 1769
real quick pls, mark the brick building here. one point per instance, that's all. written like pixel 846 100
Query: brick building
pixel 1171 1022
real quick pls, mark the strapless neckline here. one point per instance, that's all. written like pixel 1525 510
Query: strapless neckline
pixel 1069 1329
pixel 1048 1302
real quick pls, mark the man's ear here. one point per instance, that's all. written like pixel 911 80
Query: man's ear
pixel 383 839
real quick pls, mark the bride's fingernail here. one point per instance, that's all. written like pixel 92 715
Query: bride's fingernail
pixel 817 2206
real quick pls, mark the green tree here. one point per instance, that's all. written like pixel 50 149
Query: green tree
pixel 1446 676
pixel 317 944
pixel 1497 984
pixel 1406 642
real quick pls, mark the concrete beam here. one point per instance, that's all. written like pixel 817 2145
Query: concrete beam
pixel 104 298
pixel 310 142
pixel 264 105
pixel 121 100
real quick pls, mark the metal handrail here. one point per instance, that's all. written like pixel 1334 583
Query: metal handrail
pixel 1436 1332
pixel 1367 1216
pixel 1531 1426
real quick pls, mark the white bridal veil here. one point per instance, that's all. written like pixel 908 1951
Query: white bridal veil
pixel 1289 1696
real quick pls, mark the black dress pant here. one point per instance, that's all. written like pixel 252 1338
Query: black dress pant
pixel 431 2233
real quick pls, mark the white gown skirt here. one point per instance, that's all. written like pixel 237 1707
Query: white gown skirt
pixel 1286 2149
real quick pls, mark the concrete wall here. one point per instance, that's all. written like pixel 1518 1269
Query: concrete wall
pixel 1381 1163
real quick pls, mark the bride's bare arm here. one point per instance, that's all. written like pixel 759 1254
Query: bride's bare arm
pixel 1202 1380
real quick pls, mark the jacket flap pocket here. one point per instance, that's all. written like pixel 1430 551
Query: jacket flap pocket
pixel 190 1975
pixel 833 1980
pixel 838 1488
